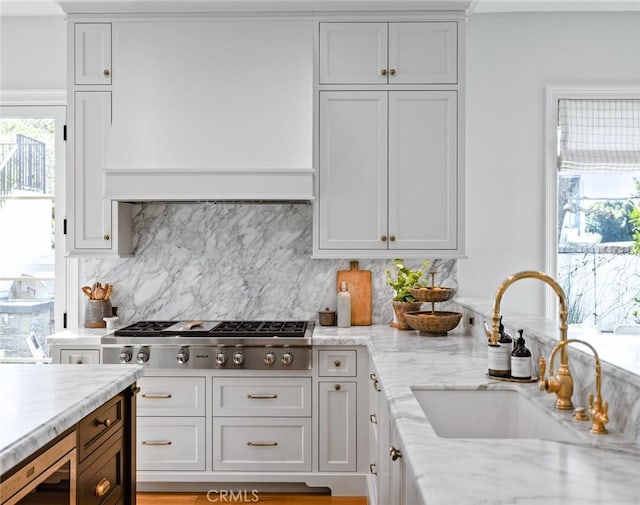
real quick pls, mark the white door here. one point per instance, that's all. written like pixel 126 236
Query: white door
pixel 92 53
pixel 425 53
pixel 352 195
pixel 423 175
pixel 92 214
pixel 337 444
pixel 353 53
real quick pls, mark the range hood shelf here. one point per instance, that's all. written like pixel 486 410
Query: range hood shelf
pixel 209 185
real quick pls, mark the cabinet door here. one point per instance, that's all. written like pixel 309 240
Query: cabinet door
pixel 423 53
pixel 352 195
pixel 337 444
pixel 353 53
pixel 423 170
pixel 80 356
pixel 91 212
pixel 92 53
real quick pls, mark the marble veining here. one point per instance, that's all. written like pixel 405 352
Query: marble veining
pixel 42 401
pixel 229 260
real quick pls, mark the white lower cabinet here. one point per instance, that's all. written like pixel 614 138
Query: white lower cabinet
pixel 78 356
pixel 171 423
pixel 171 443
pixel 338 441
pixel 262 444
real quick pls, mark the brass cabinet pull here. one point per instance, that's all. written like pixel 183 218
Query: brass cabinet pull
pixel 106 423
pixel 337 363
pixel 157 442
pixel 262 444
pixel 106 71
pixel 373 419
pixel 376 386
pixel 392 238
pixel 394 453
pixel 261 397
pixel 337 387
pixel 102 487
pixel 373 376
pixel 383 71
pixel 106 236
pixel 156 396
pixel 383 238
pixel 372 469
pixel 392 71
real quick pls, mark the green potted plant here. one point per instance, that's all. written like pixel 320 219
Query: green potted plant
pixel 403 301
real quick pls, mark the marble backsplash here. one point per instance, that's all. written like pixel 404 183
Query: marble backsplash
pixel 232 260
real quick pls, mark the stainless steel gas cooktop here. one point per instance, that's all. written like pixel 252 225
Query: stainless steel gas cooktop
pixel 212 344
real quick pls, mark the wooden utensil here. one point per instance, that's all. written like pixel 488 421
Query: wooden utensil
pixel 99 292
pixel 108 290
pixel 359 286
pixel 87 291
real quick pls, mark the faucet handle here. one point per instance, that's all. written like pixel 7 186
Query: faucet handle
pixel 542 367
pixel 590 403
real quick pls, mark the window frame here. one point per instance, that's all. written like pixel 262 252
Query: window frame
pixel 552 95
pixel 66 270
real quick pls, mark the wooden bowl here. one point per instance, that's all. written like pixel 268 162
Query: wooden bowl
pixel 432 294
pixel 433 324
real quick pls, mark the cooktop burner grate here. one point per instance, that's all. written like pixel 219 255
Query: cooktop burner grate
pixel 282 329
pixel 143 329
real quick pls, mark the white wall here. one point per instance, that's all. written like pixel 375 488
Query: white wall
pixel 510 59
pixel 32 53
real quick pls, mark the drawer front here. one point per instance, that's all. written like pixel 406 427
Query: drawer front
pixel 95 428
pixel 337 363
pixel 261 444
pixel 171 443
pixel 171 396
pixel 80 356
pixel 277 397
pixel 101 479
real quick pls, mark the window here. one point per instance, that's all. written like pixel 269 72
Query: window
pixel 32 269
pixel 597 188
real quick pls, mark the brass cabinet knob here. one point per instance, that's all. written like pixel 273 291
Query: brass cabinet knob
pixel 106 423
pixel 106 236
pixel 102 487
pixel 392 71
pixel 394 453
pixel 383 238
pixel 392 238
pixel 337 387
pixel 383 71
pixel 337 363
pixel 106 71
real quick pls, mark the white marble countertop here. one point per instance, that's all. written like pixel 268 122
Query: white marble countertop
pixel 40 402
pixel 81 336
pixel 601 469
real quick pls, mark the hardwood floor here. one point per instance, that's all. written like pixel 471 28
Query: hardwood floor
pixel 266 498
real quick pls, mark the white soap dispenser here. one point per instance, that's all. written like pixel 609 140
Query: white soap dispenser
pixel 343 306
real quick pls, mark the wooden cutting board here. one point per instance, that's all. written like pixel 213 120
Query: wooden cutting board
pixel 359 285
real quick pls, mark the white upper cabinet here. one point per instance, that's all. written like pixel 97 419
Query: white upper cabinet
pixel 92 54
pixel 389 53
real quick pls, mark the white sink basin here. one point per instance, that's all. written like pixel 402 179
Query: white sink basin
pixel 471 413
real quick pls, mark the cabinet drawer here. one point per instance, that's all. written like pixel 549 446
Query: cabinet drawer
pixel 95 428
pixel 101 478
pixel 261 444
pixel 337 363
pixel 171 396
pixel 80 356
pixel 171 443
pixel 288 397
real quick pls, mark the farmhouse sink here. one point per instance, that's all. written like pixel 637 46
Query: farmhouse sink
pixel 472 413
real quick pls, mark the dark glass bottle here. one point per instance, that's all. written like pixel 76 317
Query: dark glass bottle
pixel 521 360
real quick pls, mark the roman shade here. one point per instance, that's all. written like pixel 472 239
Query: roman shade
pixel 599 135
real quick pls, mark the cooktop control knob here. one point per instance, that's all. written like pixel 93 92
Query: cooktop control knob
pixel 183 356
pixel 287 358
pixel 269 359
pixel 221 358
pixel 238 358
pixel 143 355
pixel 125 355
